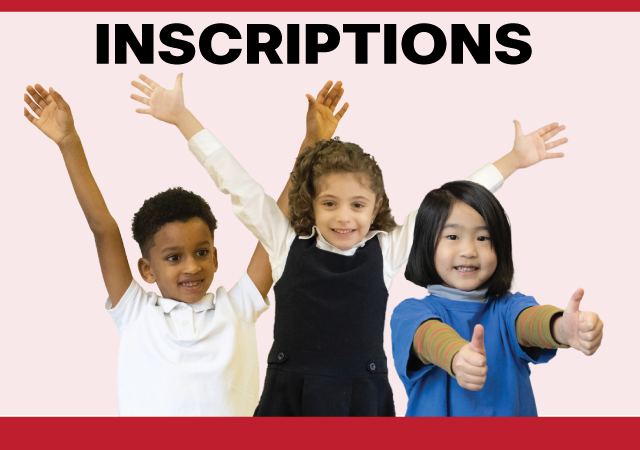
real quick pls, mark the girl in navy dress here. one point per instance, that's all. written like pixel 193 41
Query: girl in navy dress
pixel 465 349
pixel 333 258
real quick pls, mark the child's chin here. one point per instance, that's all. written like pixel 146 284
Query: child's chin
pixel 468 287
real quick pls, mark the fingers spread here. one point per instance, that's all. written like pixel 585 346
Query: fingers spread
pixel 323 92
pixel 542 131
pixel 553 132
pixel 44 94
pixel 143 111
pixel 140 99
pixel 29 117
pixel 553 155
pixel 554 144
pixel 36 97
pixel 330 98
pixel 149 81
pixel 336 99
pixel 34 107
pixel 142 87
pixel 342 111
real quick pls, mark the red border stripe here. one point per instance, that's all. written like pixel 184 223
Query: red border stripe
pixel 343 6
pixel 311 433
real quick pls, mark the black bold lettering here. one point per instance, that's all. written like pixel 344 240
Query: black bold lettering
pixel 205 43
pixel 313 48
pixel 390 43
pixel 102 41
pixel 188 50
pixel 124 36
pixel 439 43
pixel 502 36
pixel 461 37
pixel 254 46
pixel 293 43
pixel 362 38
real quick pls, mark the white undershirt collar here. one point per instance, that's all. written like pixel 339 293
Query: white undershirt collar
pixel 203 304
pixel 325 245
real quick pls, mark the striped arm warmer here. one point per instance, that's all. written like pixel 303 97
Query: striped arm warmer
pixel 437 343
pixel 533 327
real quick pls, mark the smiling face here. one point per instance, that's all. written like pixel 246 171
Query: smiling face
pixel 465 258
pixel 182 260
pixel 344 208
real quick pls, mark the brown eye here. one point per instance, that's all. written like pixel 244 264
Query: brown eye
pixel 203 252
pixel 483 238
pixel 451 237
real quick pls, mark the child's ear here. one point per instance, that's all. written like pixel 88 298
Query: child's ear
pixel 215 260
pixel 145 271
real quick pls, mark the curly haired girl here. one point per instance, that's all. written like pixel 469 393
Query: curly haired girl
pixel 332 261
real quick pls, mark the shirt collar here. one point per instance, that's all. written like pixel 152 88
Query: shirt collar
pixel 203 304
pixel 439 290
pixel 321 238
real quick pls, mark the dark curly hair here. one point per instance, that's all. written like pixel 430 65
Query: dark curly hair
pixel 333 156
pixel 173 205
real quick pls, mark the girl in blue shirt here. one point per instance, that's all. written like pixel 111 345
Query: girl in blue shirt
pixel 462 254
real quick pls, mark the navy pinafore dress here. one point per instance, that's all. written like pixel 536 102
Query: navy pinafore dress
pixel 327 358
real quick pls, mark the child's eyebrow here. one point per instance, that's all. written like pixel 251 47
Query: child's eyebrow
pixel 359 197
pixel 171 249
pixel 456 226
pixel 327 197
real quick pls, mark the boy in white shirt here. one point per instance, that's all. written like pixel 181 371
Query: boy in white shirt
pixel 182 353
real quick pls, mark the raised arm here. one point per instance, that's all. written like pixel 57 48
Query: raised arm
pixel 530 149
pixel 321 124
pixel 53 117
pixel 168 106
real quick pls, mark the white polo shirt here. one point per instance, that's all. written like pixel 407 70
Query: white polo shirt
pixel 178 359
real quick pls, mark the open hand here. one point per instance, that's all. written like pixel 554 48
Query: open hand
pixel 321 122
pixel 532 148
pixel 52 114
pixel 581 330
pixel 470 364
pixel 167 106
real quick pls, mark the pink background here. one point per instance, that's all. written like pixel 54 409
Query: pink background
pixel 574 220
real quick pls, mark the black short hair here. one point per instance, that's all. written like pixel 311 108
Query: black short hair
pixel 173 205
pixel 432 216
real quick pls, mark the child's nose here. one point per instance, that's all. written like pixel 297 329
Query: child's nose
pixel 468 249
pixel 343 215
pixel 192 266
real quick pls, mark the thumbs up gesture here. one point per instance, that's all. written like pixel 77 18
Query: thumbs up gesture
pixel 470 364
pixel 580 329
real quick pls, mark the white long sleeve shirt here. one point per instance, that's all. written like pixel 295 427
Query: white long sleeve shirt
pixel 262 216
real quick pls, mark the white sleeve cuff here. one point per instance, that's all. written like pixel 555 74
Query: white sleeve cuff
pixel 488 176
pixel 203 144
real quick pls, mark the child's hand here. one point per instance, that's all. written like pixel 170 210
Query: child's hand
pixel 580 329
pixel 164 105
pixel 470 363
pixel 532 148
pixel 54 117
pixel 321 122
